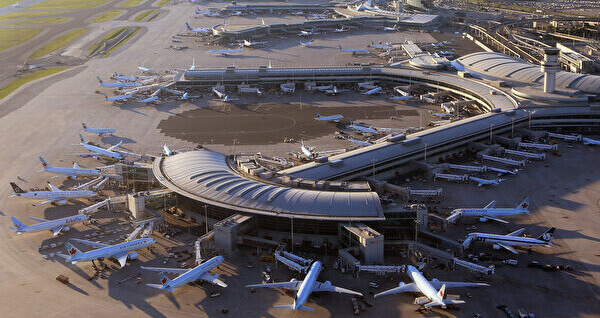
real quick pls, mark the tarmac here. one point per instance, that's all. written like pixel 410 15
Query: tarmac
pixel 44 118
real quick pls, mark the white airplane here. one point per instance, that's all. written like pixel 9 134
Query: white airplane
pixel 333 92
pixel 119 99
pixel 307 33
pixel 486 182
pixel 218 93
pixel 363 129
pixel 490 212
pixel 384 46
pixel 309 154
pixel 305 287
pixel 407 97
pixel 117 84
pixel 167 151
pixel 226 99
pixel 440 115
pixel 342 29
pixel 332 118
pixel 149 100
pixel 17 5
pixel 589 141
pixel 360 142
pixel 56 226
pixel 510 240
pixel 354 51
pixel 120 252
pixel 247 43
pixel 100 131
pixel 144 69
pixel 197 30
pixel 432 297
pixel 72 173
pixel 374 91
pixel 502 171
pixel 54 195
pixel 225 52
pixel 122 77
pixel 307 44
pixel 385 28
pixel 187 275
pixel 96 151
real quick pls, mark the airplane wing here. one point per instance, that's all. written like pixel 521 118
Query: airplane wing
pixel 508 247
pixel 90 243
pixel 38 219
pixel 494 219
pixel 213 279
pixel 403 288
pixel 454 216
pixel 287 285
pixel 438 284
pixel 86 154
pixel 516 233
pixel 327 287
pixel 122 258
pixel 112 148
pixel 165 270
pixel 47 201
pixel 53 187
pixel 490 205
pixel 57 230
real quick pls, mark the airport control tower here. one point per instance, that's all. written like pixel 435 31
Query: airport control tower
pixel 550 67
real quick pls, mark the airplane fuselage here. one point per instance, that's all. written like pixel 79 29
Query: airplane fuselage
pixel 307 285
pixel 110 251
pixel 73 171
pixel 507 240
pixel 50 225
pixel 194 273
pixel 62 195
pixel 98 151
pixel 495 212
pixel 424 286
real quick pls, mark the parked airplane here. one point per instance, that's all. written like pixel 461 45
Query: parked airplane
pixel 120 252
pixel 432 297
pixel 394 28
pixel 354 51
pixel 47 225
pixel 589 141
pixel 363 129
pixel 122 77
pixel 502 171
pixel 226 99
pixel 490 212
pixel 332 118
pixel 309 154
pixel 54 195
pixel 374 91
pixel 225 52
pixel 118 99
pixel 197 30
pixel 72 173
pixel 360 142
pixel 218 93
pixel 117 84
pixel 305 288
pixel 407 97
pixel 247 43
pixel 187 275
pixel 307 33
pixel 307 44
pixel 486 182
pixel 144 69
pixel 149 100
pixel 342 29
pixel 510 240
pixel 100 131
pixel 96 151
pixel 440 115
pixel 332 92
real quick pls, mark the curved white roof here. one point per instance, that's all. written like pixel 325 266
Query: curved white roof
pixel 205 175
pixel 501 66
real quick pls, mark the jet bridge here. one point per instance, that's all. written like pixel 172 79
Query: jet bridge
pixel 528 145
pixel 565 137
pixel 290 263
pixel 467 168
pixel 525 154
pixel 506 161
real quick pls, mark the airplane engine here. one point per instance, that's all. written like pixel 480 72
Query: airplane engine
pixel 328 283
pixel 132 256
pixel 72 177
pixel 421 300
pixel 66 229
pixel 95 157
pixel 496 247
pixel 61 202
pixel 483 219
pixel 293 280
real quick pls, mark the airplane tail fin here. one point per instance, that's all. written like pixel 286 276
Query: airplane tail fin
pixel 187 25
pixel 340 47
pixel 99 79
pixel 442 291
pixel 16 188
pixel 44 163
pixel 72 250
pixel 163 278
pixel 84 126
pixel 525 204
pixel 547 236
pixel 18 224
pixel 81 138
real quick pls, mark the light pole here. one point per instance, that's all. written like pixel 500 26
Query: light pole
pixel 491 130
pixel 425 159
pixel 292 219
pixel 416 228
